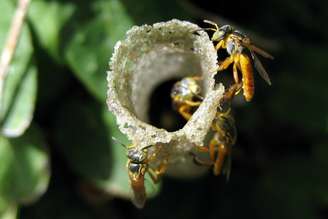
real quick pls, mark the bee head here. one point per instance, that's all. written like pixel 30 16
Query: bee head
pixel 193 86
pixel 222 32
pixel 185 89
pixel 136 155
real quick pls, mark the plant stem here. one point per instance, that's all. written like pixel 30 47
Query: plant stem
pixel 12 39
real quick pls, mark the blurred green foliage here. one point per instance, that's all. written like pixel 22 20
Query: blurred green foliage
pixel 18 99
pixel 57 157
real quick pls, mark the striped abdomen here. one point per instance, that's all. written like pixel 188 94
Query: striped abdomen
pixel 246 67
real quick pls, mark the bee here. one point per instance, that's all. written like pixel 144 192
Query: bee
pixel 220 146
pixel 138 166
pixel 228 95
pixel 241 52
pixel 224 135
pixel 185 95
pixel 223 125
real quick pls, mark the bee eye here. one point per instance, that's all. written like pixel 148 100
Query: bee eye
pixel 131 153
pixel 224 28
pixel 174 92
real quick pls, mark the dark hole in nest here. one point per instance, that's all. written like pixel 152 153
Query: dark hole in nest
pixel 161 111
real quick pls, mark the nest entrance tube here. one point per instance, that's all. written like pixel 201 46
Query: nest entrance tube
pixel 149 56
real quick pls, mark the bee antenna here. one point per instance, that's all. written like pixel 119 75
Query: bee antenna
pixel 212 23
pixel 119 142
pixel 199 96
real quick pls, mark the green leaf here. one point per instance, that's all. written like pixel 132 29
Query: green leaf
pixel 49 26
pixel 48 32
pixel 84 135
pixel 19 102
pixel 7 211
pixel 91 45
pixel 18 98
pixel 24 167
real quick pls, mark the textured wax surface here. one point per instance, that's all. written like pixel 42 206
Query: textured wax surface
pixel 149 56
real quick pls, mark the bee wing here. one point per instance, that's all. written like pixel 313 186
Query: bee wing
pixel 119 142
pixel 259 67
pixel 227 167
pixel 260 51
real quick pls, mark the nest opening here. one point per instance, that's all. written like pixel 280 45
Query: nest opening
pixel 152 82
pixel 144 68
pixel 161 112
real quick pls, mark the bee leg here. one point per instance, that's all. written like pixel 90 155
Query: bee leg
pixel 235 73
pixel 156 174
pixel 238 87
pixel 184 111
pixel 192 103
pixel 210 149
pixel 219 45
pixel 199 161
pixel 225 64
pixel 153 156
pixel 212 145
pixel 222 65
pixel 228 95
pixel 202 149
pixel 233 90
pixel 197 78
pixel 222 152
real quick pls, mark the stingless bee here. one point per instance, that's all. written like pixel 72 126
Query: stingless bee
pixel 185 95
pixel 242 54
pixel 223 126
pixel 224 137
pixel 138 166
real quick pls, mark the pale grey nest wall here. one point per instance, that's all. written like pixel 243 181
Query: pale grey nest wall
pixel 149 56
